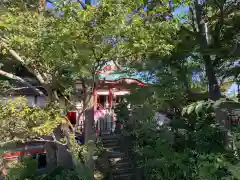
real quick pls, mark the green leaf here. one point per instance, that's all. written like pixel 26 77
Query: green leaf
pixel 184 111
pixel 199 107
pixel 4 51
pixel 190 108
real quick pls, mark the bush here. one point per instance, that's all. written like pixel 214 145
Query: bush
pixel 27 169
pixel 191 147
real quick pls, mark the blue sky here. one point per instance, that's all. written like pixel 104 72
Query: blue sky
pixel 232 90
pixel 49 5
pixel 180 10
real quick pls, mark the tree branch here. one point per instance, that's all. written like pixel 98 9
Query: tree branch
pixel 6 142
pixel 21 80
pixel 35 140
pixel 192 19
pixel 51 141
pixel 82 4
pixel 19 59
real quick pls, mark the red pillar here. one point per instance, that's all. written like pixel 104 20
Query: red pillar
pixel 110 97
pixel 95 98
pixel 110 101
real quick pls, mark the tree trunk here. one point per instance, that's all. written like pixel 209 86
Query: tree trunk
pixel 89 135
pixel 41 5
pixel 21 80
pixel 214 90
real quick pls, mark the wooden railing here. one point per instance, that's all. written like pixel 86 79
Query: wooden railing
pixel 104 121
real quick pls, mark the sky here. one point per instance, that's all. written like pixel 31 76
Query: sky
pixel 178 11
pixel 49 5
pixel 232 90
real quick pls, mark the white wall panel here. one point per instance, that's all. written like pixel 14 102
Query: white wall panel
pixel 41 101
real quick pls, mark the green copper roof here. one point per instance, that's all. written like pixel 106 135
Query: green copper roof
pixel 111 72
pixel 118 76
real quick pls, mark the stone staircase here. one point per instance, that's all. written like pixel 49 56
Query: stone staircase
pixel 121 166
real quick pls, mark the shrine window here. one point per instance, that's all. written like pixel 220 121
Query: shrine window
pixel 42 160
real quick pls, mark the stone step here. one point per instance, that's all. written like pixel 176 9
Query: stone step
pixel 115 154
pixel 116 172
pixel 118 159
pixel 110 144
pixel 125 176
pixel 105 141
pixel 113 148
pixel 109 140
pixel 122 164
pixel 111 136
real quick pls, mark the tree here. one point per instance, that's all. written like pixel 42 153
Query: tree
pixel 213 27
pixel 58 50
pixel 95 37
pixel 203 52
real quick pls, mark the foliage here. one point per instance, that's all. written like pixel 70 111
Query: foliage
pixel 25 169
pixel 204 52
pixel 73 45
pixel 78 174
pixel 192 146
pixel 19 122
pixel 5 85
pixel 187 59
pixel 28 169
